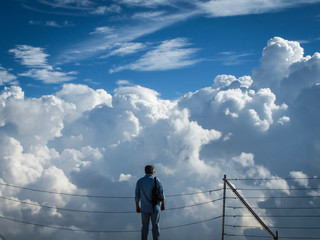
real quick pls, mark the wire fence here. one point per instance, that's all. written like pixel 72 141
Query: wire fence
pixel 290 210
pixel 262 199
pixel 51 206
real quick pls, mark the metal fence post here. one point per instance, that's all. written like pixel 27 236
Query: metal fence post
pixel 223 205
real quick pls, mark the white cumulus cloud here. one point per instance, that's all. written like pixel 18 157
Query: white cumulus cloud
pixel 84 141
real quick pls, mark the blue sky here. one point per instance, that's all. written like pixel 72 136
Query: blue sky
pixel 171 46
pixel 92 91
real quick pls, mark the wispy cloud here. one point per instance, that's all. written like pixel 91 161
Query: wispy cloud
pixel 146 3
pixel 211 8
pixel 127 48
pixel 105 30
pixel 51 23
pixel 72 7
pixel 6 77
pixel 36 59
pixel 30 56
pixel 104 39
pixel 232 58
pixel 101 10
pixel 75 4
pixel 219 8
pixel 170 54
pixel 123 82
pixel 49 76
pixel 147 17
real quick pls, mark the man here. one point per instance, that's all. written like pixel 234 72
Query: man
pixel 143 194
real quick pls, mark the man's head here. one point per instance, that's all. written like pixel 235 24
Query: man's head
pixel 149 169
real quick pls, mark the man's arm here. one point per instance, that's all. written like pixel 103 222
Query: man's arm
pixel 137 198
pixel 163 205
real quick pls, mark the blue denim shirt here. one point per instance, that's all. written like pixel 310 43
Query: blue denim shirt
pixel 143 193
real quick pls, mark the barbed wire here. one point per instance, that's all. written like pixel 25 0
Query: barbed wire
pixel 194 193
pixel 103 231
pixel 259 236
pixel 272 179
pixel 273 197
pixel 274 216
pixel 297 194
pixel 242 235
pixel 66 194
pixel 278 208
pixel 291 237
pixel 275 227
pixel 65 228
pixel 188 224
pixel 101 196
pixel 28 202
pixel 277 189
pixel 197 204
pixel 167 195
pixel 176 208
pixel 102 212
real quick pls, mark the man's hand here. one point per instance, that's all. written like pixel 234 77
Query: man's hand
pixel 138 210
pixel 163 206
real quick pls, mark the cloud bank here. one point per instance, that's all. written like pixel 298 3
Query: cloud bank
pixel 88 142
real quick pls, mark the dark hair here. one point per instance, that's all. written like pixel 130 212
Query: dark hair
pixel 149 169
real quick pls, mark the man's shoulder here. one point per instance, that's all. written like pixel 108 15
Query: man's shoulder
pixel 143 178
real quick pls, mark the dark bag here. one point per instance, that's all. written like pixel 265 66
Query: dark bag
pixel 157 196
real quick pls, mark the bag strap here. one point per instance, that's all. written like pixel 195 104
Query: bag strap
pixel 155 182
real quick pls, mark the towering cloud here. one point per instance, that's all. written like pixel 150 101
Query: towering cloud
pixel 82 141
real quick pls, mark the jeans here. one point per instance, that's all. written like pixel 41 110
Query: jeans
pixel 155 217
